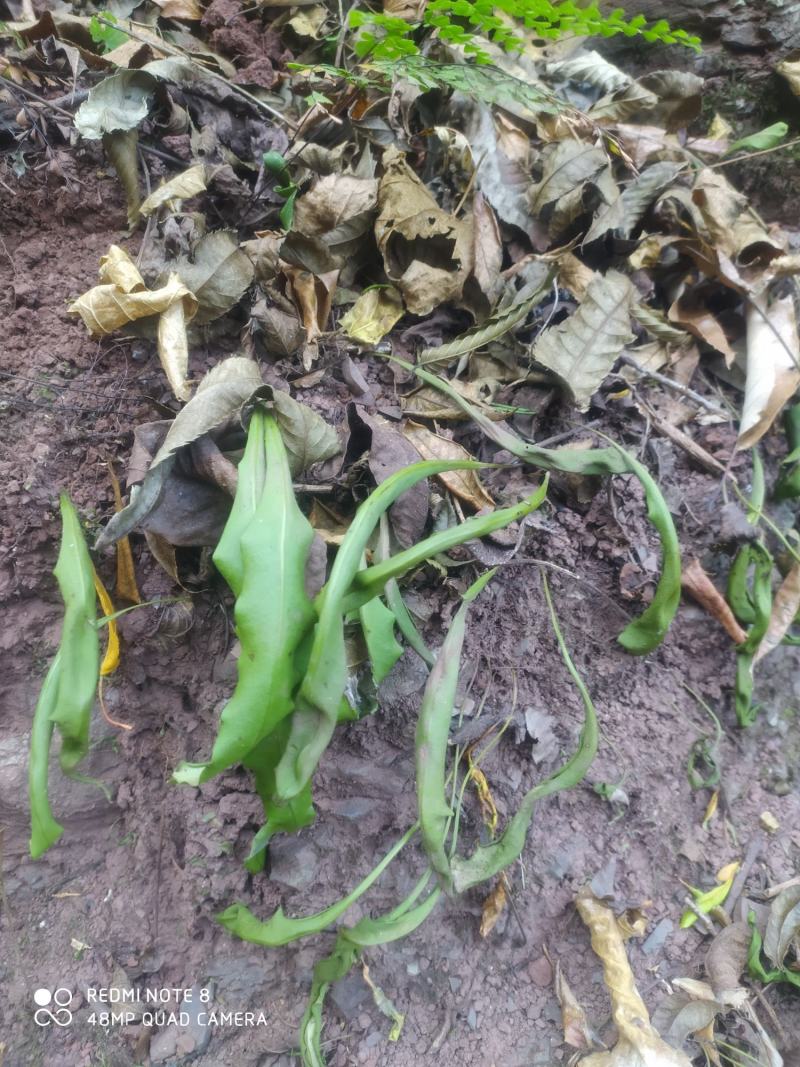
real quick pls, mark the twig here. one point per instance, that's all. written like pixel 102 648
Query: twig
pixel 670 383
pixel 683 440
pixel 753 849
pixel 162 46
pixel 776 890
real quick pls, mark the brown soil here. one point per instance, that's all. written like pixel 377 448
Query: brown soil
pixel 128 897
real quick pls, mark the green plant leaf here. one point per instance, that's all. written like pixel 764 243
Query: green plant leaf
pixel 273 612
pixel 67 695
pixel 765 139
pixel 280 929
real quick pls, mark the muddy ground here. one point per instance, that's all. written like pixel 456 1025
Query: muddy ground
pixel 127 898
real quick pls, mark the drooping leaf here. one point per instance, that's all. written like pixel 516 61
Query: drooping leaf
pixel 220 396
pixel 67 695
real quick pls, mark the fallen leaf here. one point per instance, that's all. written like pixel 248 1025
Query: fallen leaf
pixel 589 68
pixel 574 1023
pixel 493 907
pixel 180 9
pixel 427 253
pixel 108 306
pixel 180 187
pixel 218 272
pixel 638 1043
pixel 464 484
pixel 307 436
pixel 783 925
pixel 569 168
pixel 313 295
pixel 684 1013
pixel 773 352
pixel 330 223
pixel 373 315
pixel 487 249
pixel 731 225
pixel 582 350
pixel 696 318
pixel 725 963
pixel 220 397
pixel 119 102
pixel 122 149
pixel 785 607
pixel 697 583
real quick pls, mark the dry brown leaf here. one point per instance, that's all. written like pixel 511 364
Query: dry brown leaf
pixel 573 274
pixel 430 403
pixel 180 9
pixel 164 554
pixel 697 583
pixel 784 609
pixel 426 252
pixel 373 315
pixel 577 1031
pixel 725 962
pixel 188 183
pixel 126 574
pixel 730 223
pixel 773 354
pixel 464 484
pixel 638 1043
pixel 123 299
pixel 487 249
pixel 493 907
pixel 699 321
pixel 330 526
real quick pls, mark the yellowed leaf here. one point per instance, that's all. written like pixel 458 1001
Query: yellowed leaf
pixel 111 657
pixel 702 324
pixel 122 298
pixel 773 354
pixel 464 484
pixel 638 1043
pixel 373 315
pixel 789 68
pixel 126 574
pixel 188 183
pixel 493 907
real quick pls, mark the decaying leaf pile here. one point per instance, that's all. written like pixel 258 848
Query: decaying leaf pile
pixel 486 247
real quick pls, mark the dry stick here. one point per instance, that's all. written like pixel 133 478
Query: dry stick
pixel 670 383
pixel 753 849
pixel 776 890
pixel 683 440
pixel 162 46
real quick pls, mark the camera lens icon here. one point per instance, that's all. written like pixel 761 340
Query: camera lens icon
pixel 60 998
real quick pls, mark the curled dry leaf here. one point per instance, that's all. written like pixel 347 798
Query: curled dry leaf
pixel 699 586
pixel 493 907
pixel 731 225
pixel 773 354
pixel 188 183
pixel 693 316
pixel 785 607
pixel 487 249
pixel 582 350
pixel 330 222
pixel 464 484
pixel 575 1024
pixel 372 316
pixel 123 298
pixel 426 252
pixel 638 1043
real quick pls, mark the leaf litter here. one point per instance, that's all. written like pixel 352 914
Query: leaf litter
pixel 559 243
